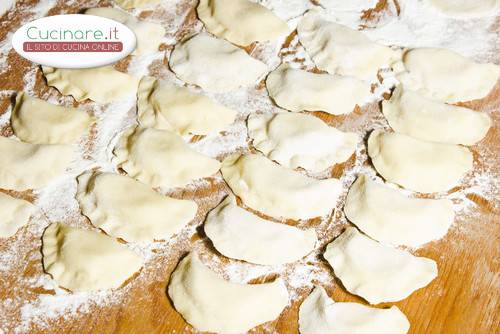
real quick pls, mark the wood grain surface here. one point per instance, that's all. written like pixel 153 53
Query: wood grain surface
pixel 462 299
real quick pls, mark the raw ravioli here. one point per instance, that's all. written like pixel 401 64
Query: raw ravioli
pixel 386 215
pixel 277 191
pixel 161 158
pixel 149 35
pixel 128 209
pixel 38 122
pixel 239 234
pixel 446 76
pixel 300 140
pixel 298 90
pixel 168 107
pixel 241 22
pixel 215 65
pixel 411 114
pixel 99 84
pixel 319 314
pixel 212 304
pixel 26 166
pixel 14 213
pixel 338 49
pixel 376 272
pixel 82 260
pixel 416 164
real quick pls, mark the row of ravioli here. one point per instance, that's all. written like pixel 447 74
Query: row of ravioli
pixel 155 154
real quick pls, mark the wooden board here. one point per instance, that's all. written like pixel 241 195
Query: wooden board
pixel 463 298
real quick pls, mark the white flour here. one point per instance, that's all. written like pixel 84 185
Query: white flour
pixel 417 26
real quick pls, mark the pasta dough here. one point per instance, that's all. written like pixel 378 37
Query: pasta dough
pixel 277 191
pixel 128 4
pixel 215 65
pixel 319 314
pixel 99 84
pixel 390 217
pixel 241 22
pixel 14 213
pixel 28 166
pixel 168 107
pixel 160 158
pixel 82 260
pixel 38 122
pixel 298 90
pixel 130 210
pixel 212 304
pixel 386 275
pixel 338 49
pixel 149 35
pixel 422 118
pixel 444 75
pixel 300 140
pixel 239 234
pixel 465 8
pixel 418 165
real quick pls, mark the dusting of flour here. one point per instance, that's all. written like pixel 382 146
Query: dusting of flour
pixel 38 301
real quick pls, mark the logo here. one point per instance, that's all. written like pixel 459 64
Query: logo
pixel 74 41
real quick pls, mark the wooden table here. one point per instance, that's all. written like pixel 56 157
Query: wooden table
pixel 462 299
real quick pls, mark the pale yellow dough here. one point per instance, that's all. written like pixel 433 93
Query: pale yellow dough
pixel 129 4
pixel 38 122
pixel 82 260
pixel 376 272
pixel 416 164
pixel 100 84
pixel 298 90
pixel 128 209
pixel 161 158
pixel 300 140
pixel 26 166
pixel 168 107
pixel 149 35
pixel 14 213
pixel 319 314
pixel 241 22
pixel 277 191
pixel 212 304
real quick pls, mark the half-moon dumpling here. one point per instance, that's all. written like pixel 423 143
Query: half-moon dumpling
pixel 38 122
pixel 465 9
pixel 28 166
pixel 277 191
pixel 129 4
pixel 444 75
pixel 14 213
pixel 82 260
pixel 161 158
pixel 212 304
pixel 414 115
pixel 165 106
pixel 376 272
pixel 298 140
pixel 319 314
pixel 241 22
pixel 386 215
pixel 239 234
pixel 299 90
pixel 149 35
pixel 99 84
pixel 416 164
pixel 128 209
pixel 214 64
pixel 339 49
